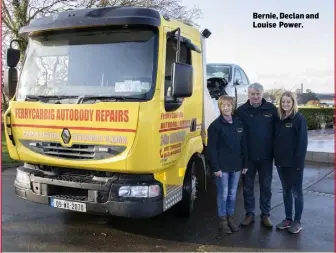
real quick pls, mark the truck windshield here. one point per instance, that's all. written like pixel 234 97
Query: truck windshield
pixel 118 63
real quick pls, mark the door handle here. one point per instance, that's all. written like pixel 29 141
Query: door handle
pixel 193 125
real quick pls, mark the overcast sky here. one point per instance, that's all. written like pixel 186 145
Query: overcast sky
pixel 275 57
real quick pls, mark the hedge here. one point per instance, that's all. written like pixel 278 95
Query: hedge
pixel 317 115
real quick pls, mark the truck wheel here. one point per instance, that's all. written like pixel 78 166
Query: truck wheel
pixel 186 206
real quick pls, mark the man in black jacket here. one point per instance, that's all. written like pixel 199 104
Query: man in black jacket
pixel 259 118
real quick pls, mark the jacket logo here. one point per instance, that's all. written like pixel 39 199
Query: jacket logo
pixel 289 125
pixel 239 130
pixel 268 115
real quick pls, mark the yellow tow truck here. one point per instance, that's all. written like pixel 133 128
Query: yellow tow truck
pixel 108 112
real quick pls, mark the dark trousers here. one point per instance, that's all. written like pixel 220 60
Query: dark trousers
pixel 291 180
pixel 265 172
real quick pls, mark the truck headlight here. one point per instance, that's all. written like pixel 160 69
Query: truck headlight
pixel 143 191
pixel 23 178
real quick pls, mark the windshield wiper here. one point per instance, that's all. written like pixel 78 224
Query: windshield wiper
pixel 81 99
pixel 46 98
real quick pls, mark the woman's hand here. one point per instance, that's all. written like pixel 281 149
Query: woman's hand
pixel 218 173
pixel 244 171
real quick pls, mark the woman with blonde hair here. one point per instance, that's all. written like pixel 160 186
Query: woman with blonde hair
pixel 290 149
pixel 227 154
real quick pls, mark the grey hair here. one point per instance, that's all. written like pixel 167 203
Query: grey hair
pixel 256 86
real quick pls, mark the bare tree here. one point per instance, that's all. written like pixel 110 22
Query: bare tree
pixel 274 94
pixel 16 13
pixel 170 8
pixel 5 37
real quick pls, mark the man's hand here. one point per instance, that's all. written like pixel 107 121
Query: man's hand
pixel 218 173
pixel 244 171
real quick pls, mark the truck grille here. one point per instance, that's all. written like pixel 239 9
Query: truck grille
pixel 74 176
pixel 76 151
pixel 70 197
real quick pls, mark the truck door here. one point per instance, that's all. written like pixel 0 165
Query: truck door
pixel 179 122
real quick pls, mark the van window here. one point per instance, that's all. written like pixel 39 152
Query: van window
pixel 244 77
pixel 237 75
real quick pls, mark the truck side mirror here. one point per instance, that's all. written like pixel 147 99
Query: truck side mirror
pixel 10 81
pixel 182 80
pixel 13 57
pixel 11 74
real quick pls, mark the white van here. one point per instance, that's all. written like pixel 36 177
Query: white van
pixel 227 79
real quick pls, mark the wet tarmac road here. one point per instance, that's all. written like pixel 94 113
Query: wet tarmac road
pixel 32 227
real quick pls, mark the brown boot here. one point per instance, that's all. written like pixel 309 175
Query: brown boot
pixel 232 224
pixel 249 219
pixel 266 221
pixel 223 226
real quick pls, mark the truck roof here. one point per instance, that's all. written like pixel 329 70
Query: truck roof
pixel 106 16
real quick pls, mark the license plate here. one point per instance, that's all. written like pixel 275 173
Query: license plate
pixel 68 205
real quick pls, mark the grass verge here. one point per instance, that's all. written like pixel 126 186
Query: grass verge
pixel 6 160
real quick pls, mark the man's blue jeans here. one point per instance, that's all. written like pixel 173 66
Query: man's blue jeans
pixel 227 192
pixel 265 172
pixel 291 180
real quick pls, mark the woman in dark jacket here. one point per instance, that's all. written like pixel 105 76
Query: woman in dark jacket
pixel 227 154
pixel 290 149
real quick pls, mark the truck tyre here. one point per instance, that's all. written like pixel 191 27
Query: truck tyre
pixel 186 206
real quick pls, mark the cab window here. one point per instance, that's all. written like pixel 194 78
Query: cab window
pixel 244 77
pixel 185 57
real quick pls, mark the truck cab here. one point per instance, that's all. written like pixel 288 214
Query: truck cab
pixel 107 113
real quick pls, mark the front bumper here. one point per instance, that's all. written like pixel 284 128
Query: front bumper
pixel 100 198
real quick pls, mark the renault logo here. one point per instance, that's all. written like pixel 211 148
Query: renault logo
pixel 66 136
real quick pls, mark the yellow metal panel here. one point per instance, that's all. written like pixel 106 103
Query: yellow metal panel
pixel 157 141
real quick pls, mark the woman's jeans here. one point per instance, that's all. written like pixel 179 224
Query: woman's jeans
pixel 226 192
pixel 291 180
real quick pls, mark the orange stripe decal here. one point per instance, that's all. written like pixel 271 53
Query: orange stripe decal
pixel 76 128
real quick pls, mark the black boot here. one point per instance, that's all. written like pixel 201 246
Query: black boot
pixel 232 224
pixel 223 225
